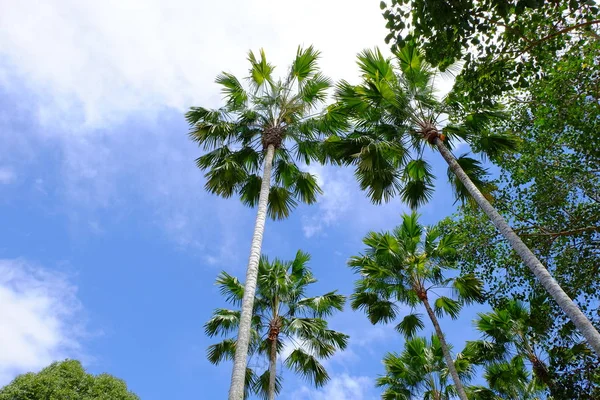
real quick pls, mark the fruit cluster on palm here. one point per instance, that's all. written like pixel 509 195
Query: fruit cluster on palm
pixel 284 318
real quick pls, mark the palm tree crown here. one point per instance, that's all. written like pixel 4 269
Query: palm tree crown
pixel 284 318
pixel 396 114
pixel 420 372
pixel 269 112
pixel 407 266
pixel 509 342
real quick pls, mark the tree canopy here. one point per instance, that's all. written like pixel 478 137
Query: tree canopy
pixel 66 380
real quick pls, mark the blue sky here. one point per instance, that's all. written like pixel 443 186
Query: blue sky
pixel 109 246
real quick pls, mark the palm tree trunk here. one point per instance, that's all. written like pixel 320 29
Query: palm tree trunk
pixel 236 390
pixel 451 367
pixel 272 369
pixel 569 307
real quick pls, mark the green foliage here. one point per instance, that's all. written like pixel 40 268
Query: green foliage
pixel 407 266
pixel 66 380
pixel 280 299
pixel 273 112
pixel 393 115
pixel 420 372
pixel 503 43
pixel 548 190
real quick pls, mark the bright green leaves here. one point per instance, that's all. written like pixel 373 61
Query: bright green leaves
pixel 406 267
pixel 222 322
pixel 236 136
pixel 446 306
pixel 260 71
pixel 419 371
pixel 233 91
pixel 66 380
pixel 376 308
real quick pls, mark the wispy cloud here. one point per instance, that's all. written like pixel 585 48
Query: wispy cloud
pixel 108 66
pixel 7 175
pixel 341 387
pixel 40 316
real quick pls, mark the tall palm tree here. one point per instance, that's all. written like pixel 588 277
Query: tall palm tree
pixel 420 372
pixel 407 266
pixel 283 316
pixel 396 115
pixel 509 338
pixel 269 124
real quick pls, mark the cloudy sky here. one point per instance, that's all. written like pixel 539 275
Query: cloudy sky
pixel 109 246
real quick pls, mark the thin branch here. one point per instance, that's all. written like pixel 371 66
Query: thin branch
pixel 565 233
pixel 558 33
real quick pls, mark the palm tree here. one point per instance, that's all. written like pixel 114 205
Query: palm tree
pixel 283 316
pixel 395 110
pixel 420 372
pixel 407 266
pixel 509 338
pixel 269 125
pixel 507 380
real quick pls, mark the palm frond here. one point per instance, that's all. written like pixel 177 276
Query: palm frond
pixel 261 385
pixel 468 288
pixel 446 306
pixel 223 322
pixel 281 202
pixel 308 366
pixel 231 288
pixel 233 91
pixel 218 352
pixel 260 71
pixel 410 325
pixel 418 183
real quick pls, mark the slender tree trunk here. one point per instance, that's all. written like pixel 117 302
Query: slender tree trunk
pixel 272 369
pixel 236 390
pixel 447 356
pixel 569 307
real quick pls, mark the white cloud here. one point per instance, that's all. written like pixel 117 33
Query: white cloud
pixel 7 175
pixel 335 201
pixel 39 313
pixel 115 57
pixel 341 387
pixel 88 68
pixel 343 202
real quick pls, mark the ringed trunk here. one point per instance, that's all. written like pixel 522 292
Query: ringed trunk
pixel 451 367
pixel 568 306
pixel 236 390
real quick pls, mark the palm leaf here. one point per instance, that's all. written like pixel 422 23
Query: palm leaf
pixel 307 366
pixel 233 91
pixel 224 350
pixel 418 183
pixel 445 305
pixel 281 202
pixel 231 288
pixel 410 324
